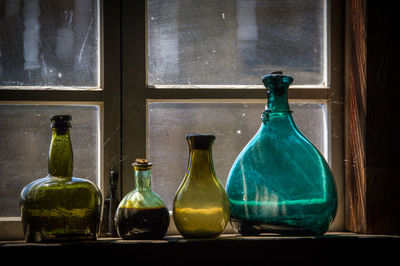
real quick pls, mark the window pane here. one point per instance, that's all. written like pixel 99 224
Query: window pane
pixel 49 43
pixel 25 137
pixel 226 42
pixel 234 124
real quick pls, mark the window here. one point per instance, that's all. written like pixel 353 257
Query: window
pixel 50 44
pixel 137 76
pixel 52 62
pixel 196 68
pixel 234 122
pixel 234 42
pixel 25 137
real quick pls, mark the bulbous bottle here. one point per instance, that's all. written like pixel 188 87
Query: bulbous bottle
pixel 201 206
pixel 142 214
pixel 60 207
pixel 280 183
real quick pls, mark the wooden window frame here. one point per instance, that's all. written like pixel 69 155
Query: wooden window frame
pixel 370 172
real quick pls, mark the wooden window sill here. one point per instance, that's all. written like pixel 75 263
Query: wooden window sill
pixel 330 248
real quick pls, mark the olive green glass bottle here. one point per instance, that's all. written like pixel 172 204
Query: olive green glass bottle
pixel 60 207
pixel 142 214
pixel 201 205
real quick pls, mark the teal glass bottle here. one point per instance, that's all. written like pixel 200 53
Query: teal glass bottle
pixel 280 183
pixel 60 207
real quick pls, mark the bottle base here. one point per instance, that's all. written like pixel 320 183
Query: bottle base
pixel 201 236
pixel 144 236
pixel 39 237
pixel 257 228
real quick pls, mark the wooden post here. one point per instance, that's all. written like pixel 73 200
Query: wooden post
pixel 372 116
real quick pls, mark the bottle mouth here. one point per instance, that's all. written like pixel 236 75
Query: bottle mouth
pixel 200 141
pixel 277 81
pixel 60 121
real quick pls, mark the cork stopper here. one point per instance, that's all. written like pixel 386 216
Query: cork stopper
pixel 141 164
pixel 276 73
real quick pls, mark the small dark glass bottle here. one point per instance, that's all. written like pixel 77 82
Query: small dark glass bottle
pixel 60 207
pixel 142 214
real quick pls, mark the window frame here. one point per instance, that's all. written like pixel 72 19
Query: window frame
pixel 125 93
pixel 136 92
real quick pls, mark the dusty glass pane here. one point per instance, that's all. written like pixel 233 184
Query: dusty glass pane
pixel 49 43
pixel 224 42
pixel 25 137
pixel 234 124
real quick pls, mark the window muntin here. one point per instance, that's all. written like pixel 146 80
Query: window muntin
pixel 47 43
pixel 229 42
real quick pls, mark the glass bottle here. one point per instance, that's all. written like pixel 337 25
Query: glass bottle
pixel 142 214
pixel 201 206
pixel 280 183
pixel 60 207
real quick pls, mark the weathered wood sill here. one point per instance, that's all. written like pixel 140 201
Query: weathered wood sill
pixel 332 248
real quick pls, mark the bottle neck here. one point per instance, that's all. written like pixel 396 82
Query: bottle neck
pixel 277 85
pixel 277 106
pixel 278 102
pixel 200 161
pixel 61 161
pixel 142 179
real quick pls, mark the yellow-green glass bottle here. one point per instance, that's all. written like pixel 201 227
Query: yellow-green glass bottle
pixel 142 213
pixel 201 205
pixel 60 207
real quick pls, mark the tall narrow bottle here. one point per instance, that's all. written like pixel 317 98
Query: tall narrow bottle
pixel 142 214
pixel 201 206
pixel 280 182
pixel 60 207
